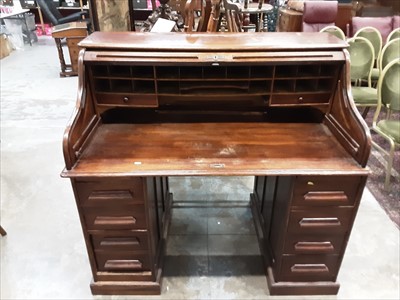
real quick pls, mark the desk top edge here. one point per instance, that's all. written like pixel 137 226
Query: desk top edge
pixel 257 41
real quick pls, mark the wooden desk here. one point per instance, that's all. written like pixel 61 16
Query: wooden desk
pixel 74 32
pixel 272 105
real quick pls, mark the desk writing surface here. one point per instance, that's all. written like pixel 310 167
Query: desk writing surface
pixel 213 149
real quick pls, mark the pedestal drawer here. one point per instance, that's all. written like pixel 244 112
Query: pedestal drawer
pixel 322 220
pixel 115 218
pixel 313 244
pixel 110 192
pixel 120 240
pixel 122 261
pixel 309 268
pixel 325 190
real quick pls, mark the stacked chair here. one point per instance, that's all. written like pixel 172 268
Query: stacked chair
pixel 362 58
pixel 374 36
pixel 336 31
pixel 387 127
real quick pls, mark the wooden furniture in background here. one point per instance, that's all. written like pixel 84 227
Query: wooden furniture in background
pixel 289 20
pixel 73 32
pixel 275 106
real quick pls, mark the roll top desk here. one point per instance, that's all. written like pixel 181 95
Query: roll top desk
pixel 276 106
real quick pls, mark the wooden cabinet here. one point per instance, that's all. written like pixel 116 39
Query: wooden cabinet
pixel 273 105
pixel 289 20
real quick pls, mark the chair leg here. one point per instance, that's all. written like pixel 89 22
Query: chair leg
pixel 2 231
pixel 365 112
pixel 389 166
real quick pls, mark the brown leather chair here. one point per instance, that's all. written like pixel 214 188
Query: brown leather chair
pixel 319 14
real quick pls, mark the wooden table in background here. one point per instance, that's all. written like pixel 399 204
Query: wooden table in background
pixel 74 32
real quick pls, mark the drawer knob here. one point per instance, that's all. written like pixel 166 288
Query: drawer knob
pixel 300 99
pixel 310 183
pixel 125 99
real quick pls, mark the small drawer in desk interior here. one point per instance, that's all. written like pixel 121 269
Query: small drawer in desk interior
pixel 115 218
pixel 300 99
pixel 133 100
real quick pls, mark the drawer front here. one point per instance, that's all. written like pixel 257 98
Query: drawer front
pixel 134 100
pixel 300 99
pixel 120 240
pixel 322 221
pixel 110 192
pixel 122 261
pixel 309 268
pixel 115 218
pixel 313 244
pixel 325 190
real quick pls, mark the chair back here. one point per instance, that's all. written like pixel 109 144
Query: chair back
pixel 394 34
pixel 336 31
pixel 374 36
pixel 361 58
pixel 49 10
pixel 319 14
pixel 389 86
pixel 390 52
pixel 232 16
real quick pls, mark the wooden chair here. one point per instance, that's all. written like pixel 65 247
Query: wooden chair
pixel 192 7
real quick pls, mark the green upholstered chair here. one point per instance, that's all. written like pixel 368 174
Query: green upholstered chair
pixel 394 34
pixel 388 127
pixel 390 52
pixel 375 37
pixel 336 31
pixel 361 63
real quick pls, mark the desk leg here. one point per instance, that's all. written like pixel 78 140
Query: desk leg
pixel 61 57
pixel 28 30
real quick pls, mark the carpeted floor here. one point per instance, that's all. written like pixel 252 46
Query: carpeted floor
pixel 389 201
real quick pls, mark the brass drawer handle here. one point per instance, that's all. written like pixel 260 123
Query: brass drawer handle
pixel 124 220
pixel 325 247
pixel 120 241
pixel 319 222
pixel 123 264
pixel 309 268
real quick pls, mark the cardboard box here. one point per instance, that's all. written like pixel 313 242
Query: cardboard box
pixel 5 46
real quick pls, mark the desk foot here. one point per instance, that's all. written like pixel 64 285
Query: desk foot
pixel 301 288
pixel 68 74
